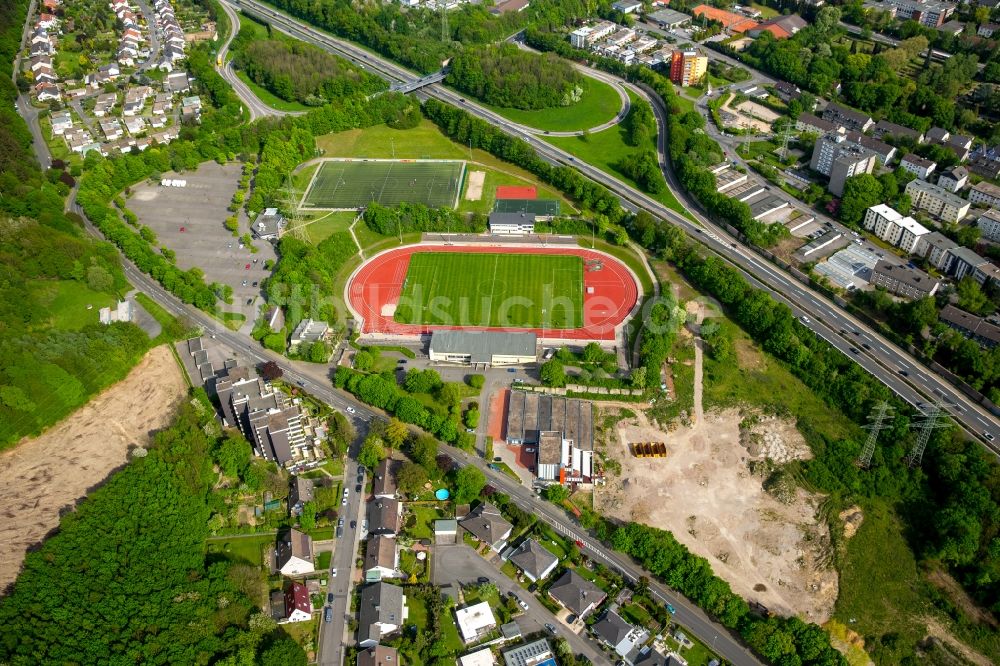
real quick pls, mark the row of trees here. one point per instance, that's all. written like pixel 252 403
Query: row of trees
pixel 507 76
pixel 416 217
pixel 126 576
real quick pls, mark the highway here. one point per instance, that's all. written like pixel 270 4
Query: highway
pixel 881 358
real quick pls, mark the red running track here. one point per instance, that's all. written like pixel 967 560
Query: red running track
pixel 379 283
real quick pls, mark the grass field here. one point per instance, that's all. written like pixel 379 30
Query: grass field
pixel 599 104
pixel 425 141
pixel 481 289
pixel 607 148
pixel 353 184
pixel 68 304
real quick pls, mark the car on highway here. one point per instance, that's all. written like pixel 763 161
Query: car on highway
pixel 300 383
pixel 671 609
pixel 328 614
pixel 903 372
pixel 988 436
pixel 351 410
pixel 866 345
pixel 854 350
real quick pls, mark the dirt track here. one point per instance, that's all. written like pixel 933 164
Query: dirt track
pixel 42 476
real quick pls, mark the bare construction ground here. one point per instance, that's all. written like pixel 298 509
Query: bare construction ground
pixel 770 550
pixel 41 477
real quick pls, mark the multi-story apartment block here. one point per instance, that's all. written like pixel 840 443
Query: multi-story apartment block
pixel 989 224
pixel 903 281
pixel 932 13
pixel 687 68
pixel 849 118
pixel 917 165
pixel 903 232
pixel 837 157
pixel 985 193
pixel 937 201
pixel 953 179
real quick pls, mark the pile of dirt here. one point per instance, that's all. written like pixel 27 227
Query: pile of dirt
pixel 771 438
pixel 852 518
pixel 41 477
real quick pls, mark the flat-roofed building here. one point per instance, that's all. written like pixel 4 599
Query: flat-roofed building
pixel 687 68
pixel 483 348
pixel 835 156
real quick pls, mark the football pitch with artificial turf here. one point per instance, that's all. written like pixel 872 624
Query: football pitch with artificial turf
pixel 356 183
pixel 497 290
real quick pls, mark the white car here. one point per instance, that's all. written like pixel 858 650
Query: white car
pixel 351 410
pixel 333 572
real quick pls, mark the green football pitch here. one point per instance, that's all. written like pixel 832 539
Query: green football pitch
pixel 486 289
pixel 356 183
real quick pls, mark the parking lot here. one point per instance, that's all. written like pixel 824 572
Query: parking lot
pixel 460 565
pixel 190 221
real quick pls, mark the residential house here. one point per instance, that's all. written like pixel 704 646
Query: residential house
pixel 965 262
pixel 985 161
pixel 917 165
pixel 986 194
pixel 298 605
pixel 807 122
pixel 884 128
pixel 486 524
pixel 384 479
pixel 268 224
pixel 534 560
pixel 988 30
pixel 61 122
pixel 576 593
pixel 529 654
pixel 45 92
pixel 787 91
pixel 475 622
pixel 937 201
pixel 45 74
pixel 953 28
pixel 384 516
pixel 903 280
pixel 782 27
pixel 882 150
pixel 984 332
pixel 615 632
pixel 483 657
pixel 989 224
pixel 937 135
pixel 294 553
pixel 177 82
pixel 382 611
pixel 937 249
pixel 300 491
pixel 378 655
pixel 987 275
pixel 381 559
pixel 104 104
pixel 848 118
pixel 112 129
pixel 953 179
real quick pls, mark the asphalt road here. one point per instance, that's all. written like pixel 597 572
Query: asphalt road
pixel 459 564
pixel 880 358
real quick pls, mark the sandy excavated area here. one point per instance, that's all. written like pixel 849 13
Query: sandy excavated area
pixel 704 493
pixel 42 476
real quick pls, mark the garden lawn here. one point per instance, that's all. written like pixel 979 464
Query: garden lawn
pixel 242 548
pixel 599 104
pixel 423 527
pixel 322 227
pixel 68 304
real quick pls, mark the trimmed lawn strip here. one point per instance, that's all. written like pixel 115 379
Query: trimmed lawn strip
pixel 322 227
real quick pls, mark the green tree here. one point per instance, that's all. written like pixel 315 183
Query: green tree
pixel 476 381
pixel 233 455
pixel 363 361
pixel 372 453
pixel 552 373
pixel 396 433
pixel 424 451
pixel 860 193
pixel 99 279
pixel 318 352
pixel 449 394
pixel 283 652
pixel 469 482
pixel 556 493
pixel 411 478
pixel 472 418
pixel 307 519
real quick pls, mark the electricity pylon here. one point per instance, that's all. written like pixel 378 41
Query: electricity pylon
pixel 877 419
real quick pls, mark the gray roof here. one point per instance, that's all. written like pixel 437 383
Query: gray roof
pixel 956 172
pixel 968 256
pixel 576 593
pixel 445 526
pixel 917 160
pixel 483 345
pixel 909 276
pixel 487 524
pixel 301 490
pixel 510 630
pixel 668 16
pixel 381 603
pixel 294 544
pixel 384 479
pixel 817 122
pixel 970 323
pixel 497 217
pixel 380 551
pixel 378 655
pixel 531 557
pixel 527 653
pixel 383 516
pixel 612 628
pixel 938 240
pixel 884 127
pixel 532 206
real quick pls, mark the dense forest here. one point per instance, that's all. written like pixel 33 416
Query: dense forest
pixel 296 71
pixel 510 77
pixel 126 580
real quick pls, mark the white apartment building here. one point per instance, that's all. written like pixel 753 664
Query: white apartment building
pixel 985 193
pixel 989 224
pixel 937 201
pixel 903 232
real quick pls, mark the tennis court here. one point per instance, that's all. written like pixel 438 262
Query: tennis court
pixel 487 289
pixel 348 184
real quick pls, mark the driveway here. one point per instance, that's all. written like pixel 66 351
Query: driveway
pixel 459 564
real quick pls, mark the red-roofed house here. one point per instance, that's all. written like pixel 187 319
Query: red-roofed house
pixel 730 21
pixel 782 27
pixel 517 192
pixel 298 606
pixel 50 5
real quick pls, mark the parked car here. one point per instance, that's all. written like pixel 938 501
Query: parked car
pixel 329 597
pixel 328 614
pixel 354 524
pixel 551 628
pixel 482 580
pixel 340 523
pixel 333 572
pixel 670 609
pixel 357 488
pixel 520 602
